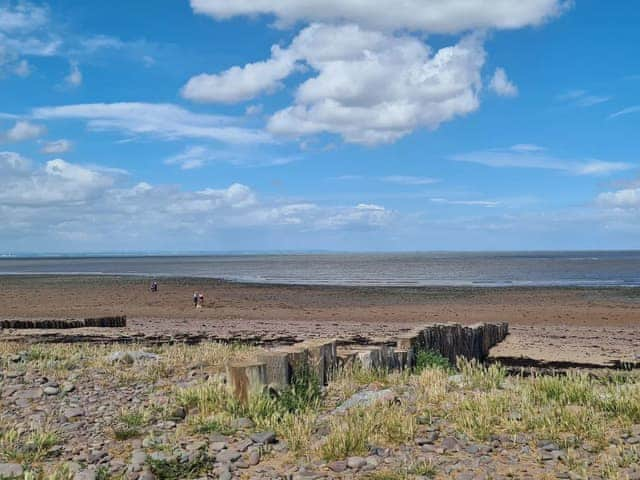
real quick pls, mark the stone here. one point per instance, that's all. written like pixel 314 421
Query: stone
pixel 28 394
pixel 254 457
pixel 147 475
pixel 68 387
pixel 338 466
pixel 218 446
pixel 227 456
pixel 73 413
pixel 51 390
pixel 10 470
pixel 264 437
pixel 178 413
pixel 243 445
pixel 356 463
pixel 85 475
pixel 138 458
pixel 132 357
pixel 366 398
pixel 449 444
pixel 243 423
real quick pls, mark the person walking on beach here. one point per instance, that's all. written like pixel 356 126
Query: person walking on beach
pixel 195 299
pixel 201 300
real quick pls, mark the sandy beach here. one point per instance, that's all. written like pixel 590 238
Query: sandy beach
pixel 577 325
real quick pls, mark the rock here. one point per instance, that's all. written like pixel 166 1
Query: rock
pixel 243 423
pixel 254 457
pixel 28 394
pixel 85 475
pixel 68 387
pixel 338 466
pixel 51 390
pixel 264 437
pixel 96 455
pixel 218 446
pixel 147 475
pixel 178 413
pixel 73 413
pixel 132 357
pixel 242 445
pixel 367 397
pixel 356 463
pixel 449 444
pixel 10 470
pixel 138 457
pixel 227 456
pixel 633 440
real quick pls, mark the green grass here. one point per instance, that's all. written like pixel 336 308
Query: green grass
pixel 431 359
pixel 26 447
pixel 174 469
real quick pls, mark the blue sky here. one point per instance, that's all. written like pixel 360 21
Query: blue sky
pixel 309 124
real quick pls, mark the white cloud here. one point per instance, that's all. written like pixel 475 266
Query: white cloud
pixel 519 157
pixel 374 88
pixel 22 16
pixel 166 121
pixel 198 156
pixel 626 198
pixel 22 69
pixel 409 180
pixel 582 98
pixel 252 110
pixel 57 146
pixel 468 203
pixel 12 164
pixel 501 85
pixel 74 78
pixel 57 182
pixel 63 200
pixel 21 131
pixel 434 16
pixel 625 111
pixel 237 84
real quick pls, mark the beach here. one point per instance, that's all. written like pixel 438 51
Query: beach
pixel 591 326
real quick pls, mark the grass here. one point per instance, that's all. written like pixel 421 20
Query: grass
pixel 430 359
pixel 26 446
pixel 419 469
pixel 175 469
pixel 131 422
pixel 380 424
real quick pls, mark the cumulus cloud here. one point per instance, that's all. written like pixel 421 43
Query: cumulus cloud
pixel 23 32
pixel 21 131
pixel 165 121
pixel 57 146
pixel 63 199
pixel 371 87
pixel 241 83
pixel 435 16
pixel 625 198
pixel 501 85
pixel 532 156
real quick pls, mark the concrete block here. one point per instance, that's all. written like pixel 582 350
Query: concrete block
pixel 246 379
pixel 278 371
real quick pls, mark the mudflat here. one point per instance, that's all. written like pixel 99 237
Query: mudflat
pixel 582 325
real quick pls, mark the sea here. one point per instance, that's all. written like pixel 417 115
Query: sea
pixel 487 269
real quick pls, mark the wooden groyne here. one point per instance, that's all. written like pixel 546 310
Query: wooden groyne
pixel 276 368
pixel 44 324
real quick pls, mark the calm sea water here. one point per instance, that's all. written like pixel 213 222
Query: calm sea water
pixel 398 269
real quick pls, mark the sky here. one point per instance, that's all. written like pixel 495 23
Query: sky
pixel 211 125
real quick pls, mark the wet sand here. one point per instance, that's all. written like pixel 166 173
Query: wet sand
pixel 584 325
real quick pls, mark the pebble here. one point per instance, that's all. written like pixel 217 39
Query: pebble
pixel 338 466
pixel 9 470
pixel 51 390
pixel 264 437
pixel 254 457
pixel 356 463
pixel 85 475
pixel 227 456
